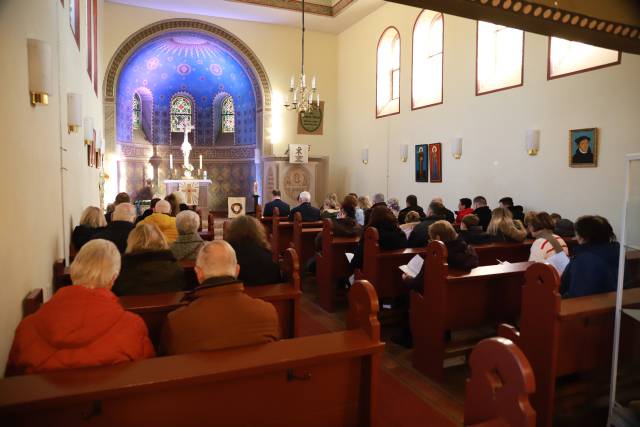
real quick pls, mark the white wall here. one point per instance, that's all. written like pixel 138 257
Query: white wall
pixel 278 49
pixel 494 161
pixel 30 161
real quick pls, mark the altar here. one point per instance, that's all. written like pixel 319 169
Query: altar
pixel 195 191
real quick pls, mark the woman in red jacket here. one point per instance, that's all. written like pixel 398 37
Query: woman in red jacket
pixel 82 325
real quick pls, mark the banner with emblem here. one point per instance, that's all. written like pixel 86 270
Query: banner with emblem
pixel 191 191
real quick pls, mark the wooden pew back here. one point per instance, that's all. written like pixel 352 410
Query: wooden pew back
pixel 562 337
pixel 332 263
pixel 490 253
pixel 323 380
pixel 459 300
pixel 499 387
pixel 282 233
pixel 303 239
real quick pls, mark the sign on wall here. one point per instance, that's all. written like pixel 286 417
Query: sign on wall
pixel 310 122
pixel 298 153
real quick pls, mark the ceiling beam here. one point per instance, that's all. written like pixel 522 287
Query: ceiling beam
pixel 612 24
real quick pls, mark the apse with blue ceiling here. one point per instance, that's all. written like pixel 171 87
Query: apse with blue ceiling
pixel 191 64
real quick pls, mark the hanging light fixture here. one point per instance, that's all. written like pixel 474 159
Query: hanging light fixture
pixel 301 97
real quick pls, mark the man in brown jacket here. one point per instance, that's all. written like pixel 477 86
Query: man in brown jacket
pixel 221 315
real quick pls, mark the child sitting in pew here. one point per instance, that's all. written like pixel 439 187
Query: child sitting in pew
pixel 471 230
pixel 82 325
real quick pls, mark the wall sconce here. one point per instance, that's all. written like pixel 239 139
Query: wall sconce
pixel 365 155
pixel 74 112
pixel 456 148
pixel 39 55
pixel 532 140
pixel 404 153
pixel 88 130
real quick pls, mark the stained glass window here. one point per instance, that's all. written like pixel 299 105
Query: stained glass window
pixel 180 111
pixel 228 115
pixel 136 112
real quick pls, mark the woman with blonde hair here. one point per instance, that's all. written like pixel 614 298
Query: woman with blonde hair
pixel 503 228
pixel 81 325
pixel 92 221
pixel 248 238
pixel 148 266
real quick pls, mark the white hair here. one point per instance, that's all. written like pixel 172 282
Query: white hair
pixel 378 198
pixel 304 197
pixel 162 207
pixel 437 200
pixel 217 258
pixel 96 265
pixel 124 212
pixel 93 217
pixel 187 222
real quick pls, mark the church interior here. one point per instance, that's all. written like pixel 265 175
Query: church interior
pixel 316 120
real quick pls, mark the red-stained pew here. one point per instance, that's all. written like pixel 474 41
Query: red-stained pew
pixel 317 381
pixel 490 253
pixel 454 300
pixel 332 263
pixel 282 233
pixel 499 387
pixel 304 237
pixel 563 336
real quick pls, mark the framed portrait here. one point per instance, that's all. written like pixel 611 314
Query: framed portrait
pixel 435 162
pixel 583 148
pixel 422 163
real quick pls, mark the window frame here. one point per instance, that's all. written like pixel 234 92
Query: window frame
pixel 223 114
pixel 133 112
pixel 584 70
pixel 413 32
pixel 524 33
pixel 379 116
pixel 192 101
pixel 76 18
pixel 89 28
pixel 95 46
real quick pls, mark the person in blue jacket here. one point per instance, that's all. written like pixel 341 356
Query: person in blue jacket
pixel 593 268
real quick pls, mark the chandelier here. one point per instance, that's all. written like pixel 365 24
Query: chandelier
pixel 301 97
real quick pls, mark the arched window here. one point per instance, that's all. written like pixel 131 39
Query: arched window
pixel 228 116
pixel 569 57
pixel 136 112
pixel 181 110
pixel 388 73
pixel 500 54
pixel 426 84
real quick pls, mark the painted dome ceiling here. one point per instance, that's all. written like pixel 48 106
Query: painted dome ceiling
pixel 192 63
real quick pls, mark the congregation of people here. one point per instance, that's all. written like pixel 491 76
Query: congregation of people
pixel 122 254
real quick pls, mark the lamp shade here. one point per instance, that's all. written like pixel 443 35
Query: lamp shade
pixel 532 141
pixel 404 152
pixel 40 67
pixel 365 155
pixel 74 111
pixel 456 148
pixel 88 130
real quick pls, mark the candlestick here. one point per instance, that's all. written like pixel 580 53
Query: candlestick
pixel 292 82
pixel 304 81
pixel 295 97
pixel 200 161
pixel 313 82
pixel 171 161
pixel 318 99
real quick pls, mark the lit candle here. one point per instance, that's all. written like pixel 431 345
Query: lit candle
pixel 170 161
pixel 310 98
pixel 295 97
pixel 313 82
pixel 292 82
pixel 304 81
pixel 318 99
pixel 200 161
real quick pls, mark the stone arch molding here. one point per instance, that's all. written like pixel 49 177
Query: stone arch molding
pixel 259 79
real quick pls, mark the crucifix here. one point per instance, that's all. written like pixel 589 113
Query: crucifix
pixel 186 126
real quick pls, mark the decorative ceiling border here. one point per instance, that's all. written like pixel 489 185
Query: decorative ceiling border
pixel 542 19
pixel 296 5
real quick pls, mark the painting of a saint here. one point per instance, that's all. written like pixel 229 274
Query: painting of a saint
pixel 422 167
pixel 583 147
pixel 435 162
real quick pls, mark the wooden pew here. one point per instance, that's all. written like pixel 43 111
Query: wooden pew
pixel 562 336
pixel 380 267
pixel 332 263
pixel 498 391
pixel 32 302
pixel 282 233
pixel 459 300
pixel 316 381
pixel 303 239
pixel 267 221
pixel 490 253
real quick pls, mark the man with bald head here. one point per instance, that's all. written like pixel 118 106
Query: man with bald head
pixel 161 217
pixel 221 314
